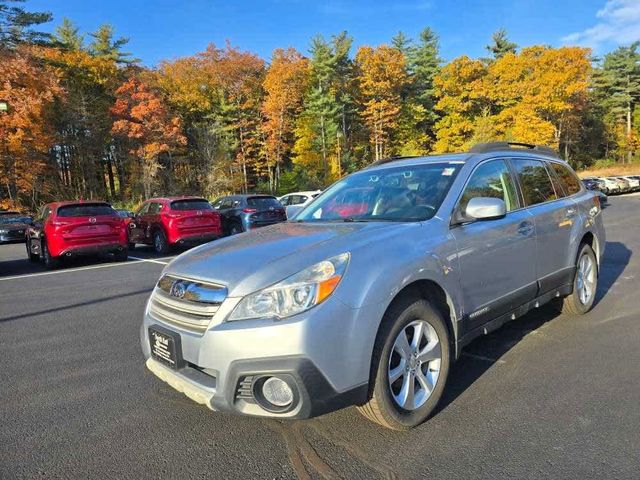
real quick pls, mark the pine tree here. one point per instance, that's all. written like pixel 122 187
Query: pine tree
pixel 16 25
pixel 617 88
pixel 104 45
pixel 401 42
pixel 501 44
pixel 68 36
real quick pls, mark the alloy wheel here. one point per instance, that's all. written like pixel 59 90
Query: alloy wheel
pixel 586 279
pixel 414 365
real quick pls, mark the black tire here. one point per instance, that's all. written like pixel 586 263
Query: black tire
pixel 160 244
pixel 33 257
pixel 122 255
pixel 50 262
pixel 381 407
pixel 573 304
pixel 235 229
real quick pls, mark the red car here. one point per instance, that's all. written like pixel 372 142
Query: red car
pixel 165 222
pixel 69 229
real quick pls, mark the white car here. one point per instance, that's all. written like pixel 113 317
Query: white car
pixel 610 185
pixel 299 199
pixel 634 182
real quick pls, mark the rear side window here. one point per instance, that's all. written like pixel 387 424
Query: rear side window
pixel 263 202
pixel 491 179
pixel 569 180
pixel 191 204
pixel 154 208
pixel 86 210
pixel 535 182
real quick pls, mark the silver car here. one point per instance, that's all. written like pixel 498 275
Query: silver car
pixel 372 291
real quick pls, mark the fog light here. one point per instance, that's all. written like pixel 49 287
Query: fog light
pixel 277 392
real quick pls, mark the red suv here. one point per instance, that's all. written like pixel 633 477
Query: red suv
pixel 165 222
pixel 68 229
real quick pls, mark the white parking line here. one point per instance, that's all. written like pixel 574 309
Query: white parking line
pixel 159 260
pixel 89 267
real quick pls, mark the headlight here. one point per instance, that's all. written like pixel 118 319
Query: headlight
pixel 2 231
pixel 294 294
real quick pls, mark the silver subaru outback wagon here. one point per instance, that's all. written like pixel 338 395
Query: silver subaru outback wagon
pixel 370 292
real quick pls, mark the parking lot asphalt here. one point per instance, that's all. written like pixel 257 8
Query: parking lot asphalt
pixel 546 396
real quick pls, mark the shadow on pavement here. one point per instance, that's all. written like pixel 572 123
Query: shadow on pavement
pixel 75 305
pixel 483 352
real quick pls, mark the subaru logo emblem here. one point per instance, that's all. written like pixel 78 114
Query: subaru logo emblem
pixel 199 212
pixel 178 289
pixel 92 220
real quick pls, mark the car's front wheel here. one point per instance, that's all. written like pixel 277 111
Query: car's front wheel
pixel 33 257
pixel 410 365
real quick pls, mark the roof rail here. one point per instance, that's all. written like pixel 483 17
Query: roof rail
pixel 494 146
pixel 382 161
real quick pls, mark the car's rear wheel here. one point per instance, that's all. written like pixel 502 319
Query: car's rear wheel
pixel 585 283
pixel 122 255
pixel 160 244
pixel 410 365
pixel 235 229
pixel 33 257
pixel 49 261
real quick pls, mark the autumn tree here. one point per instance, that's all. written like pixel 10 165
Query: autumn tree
pixel 142 118
pixel 462 100
pixel 284 85
pixel 382 78
pixel 26 132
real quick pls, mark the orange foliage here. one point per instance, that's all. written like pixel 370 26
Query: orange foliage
pixel 26 135
pixel 142 118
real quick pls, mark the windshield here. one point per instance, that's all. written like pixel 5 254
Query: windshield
pixel 402 194
pixel 16 219
pixel 263 203
pixel 191 204
pixel 86 210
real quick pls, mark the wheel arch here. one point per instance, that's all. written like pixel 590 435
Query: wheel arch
pixel 438 297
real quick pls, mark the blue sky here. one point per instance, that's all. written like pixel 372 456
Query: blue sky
pixel 166 29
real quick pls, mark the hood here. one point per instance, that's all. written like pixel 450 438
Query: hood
pixel 247 262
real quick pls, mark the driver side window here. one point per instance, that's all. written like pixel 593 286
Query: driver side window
pixel 491 179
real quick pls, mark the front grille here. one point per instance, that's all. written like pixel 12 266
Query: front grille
pixel 187 304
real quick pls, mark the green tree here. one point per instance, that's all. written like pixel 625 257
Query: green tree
pixel 16 24
pixel 501 45
pixel 617 89
pixel 321 107
pixel 68 37
pixel 105 45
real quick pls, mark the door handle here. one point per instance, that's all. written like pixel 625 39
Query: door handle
pixel 571 212
pixel 525 229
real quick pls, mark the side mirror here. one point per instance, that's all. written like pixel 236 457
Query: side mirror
pixel 485 208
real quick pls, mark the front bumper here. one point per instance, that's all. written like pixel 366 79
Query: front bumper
pixel 6 238
pixel 321 354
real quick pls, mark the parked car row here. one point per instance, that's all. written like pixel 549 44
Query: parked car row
pixel 613 185
pixel 79 228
